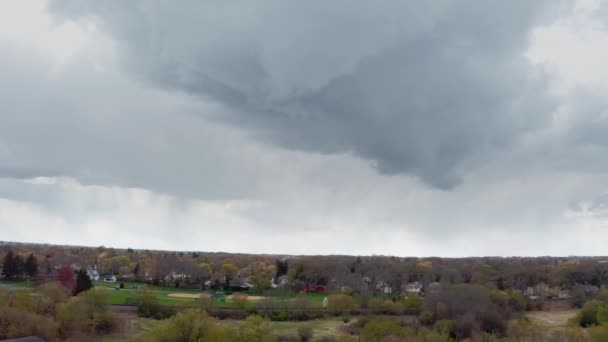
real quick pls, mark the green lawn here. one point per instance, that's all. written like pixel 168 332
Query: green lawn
pixel 15 284
pixel 132 292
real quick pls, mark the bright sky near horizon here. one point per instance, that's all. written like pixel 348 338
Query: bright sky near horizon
pixel 401 128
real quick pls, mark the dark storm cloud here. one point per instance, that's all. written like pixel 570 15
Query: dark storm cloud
pixel 429 89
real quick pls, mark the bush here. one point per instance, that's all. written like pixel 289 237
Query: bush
pixel 492 323
pixel 240 300
pixel 588 314
pixel 444 327
pixel 72 317
pixel 148 305
pixel 375 304
pixel 412 305
pixel 189 325
pixel 305 332
pixel 16 323
pixel 255 329
pixel 426 318
pixel 523 330
pixel 103 322
pixel 464 326
pixel 340 303
pixel 279 316
pixel 96 299
pixel 381 330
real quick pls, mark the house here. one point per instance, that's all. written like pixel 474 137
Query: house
pixel 174 275
pixel 414 287
pixel 279 282
pixel 246 286
pixel 109 279
pixel 93 274
pixel 383 287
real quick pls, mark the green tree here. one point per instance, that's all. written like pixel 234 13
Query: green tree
pixel 230 271
pixel 83 282
pixel 10 266
pixel 31 265
pixel 148 304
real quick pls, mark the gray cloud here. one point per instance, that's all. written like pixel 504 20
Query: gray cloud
pixel 430 90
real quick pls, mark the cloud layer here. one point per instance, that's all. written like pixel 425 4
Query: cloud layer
pixel 425 89
pixel 403 128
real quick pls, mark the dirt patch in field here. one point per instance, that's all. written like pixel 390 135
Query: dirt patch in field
pixel 252 298
pixel 189 295
pixel 551 318
pixel 198 295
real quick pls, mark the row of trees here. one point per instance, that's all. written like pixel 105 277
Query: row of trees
pixel 357 273
pixel 14 265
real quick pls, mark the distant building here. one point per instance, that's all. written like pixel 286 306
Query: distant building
pixel 110 279
pixel 93 274
pixel 383 287
pixel 414 287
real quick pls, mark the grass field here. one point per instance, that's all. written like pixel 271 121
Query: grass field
pixel 174 296
pixel 15 285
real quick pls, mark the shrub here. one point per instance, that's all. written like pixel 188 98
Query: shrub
pixel 72 316
pixel 279 316
pixel 96 299
pixel 206 302
pixel 375 304
pixel 103 322
pixel 240 300
pixel 463 327
pixel 426 318
pixel 492 323
pixel 148 305
pixel 444 327
pixel 381 330
pixel 340 303
pixel 50 295
pixel 523 330
pixel 305 332
pixel 255 329
pixel 189 325
pixel 16 323
pixel 412 305
pixel 588 314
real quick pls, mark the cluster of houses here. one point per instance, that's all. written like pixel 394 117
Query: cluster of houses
pixel 539 291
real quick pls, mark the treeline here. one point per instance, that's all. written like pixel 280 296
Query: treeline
pixel 354 273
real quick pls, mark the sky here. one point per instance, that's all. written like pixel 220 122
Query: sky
pixel 444 128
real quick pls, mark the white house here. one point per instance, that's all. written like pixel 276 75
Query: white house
pixel 413 287
pixel 93 274
pixel 384 287
pixel 110 279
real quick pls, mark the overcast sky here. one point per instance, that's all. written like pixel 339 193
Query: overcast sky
pixel 408 128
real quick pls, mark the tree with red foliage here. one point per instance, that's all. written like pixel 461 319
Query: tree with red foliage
pixel 67 278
